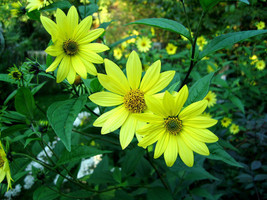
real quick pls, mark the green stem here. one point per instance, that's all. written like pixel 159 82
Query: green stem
pixel 187 19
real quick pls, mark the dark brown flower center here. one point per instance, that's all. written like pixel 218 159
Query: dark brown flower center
pixel 173 125
pixel 70 47
pixel 134 101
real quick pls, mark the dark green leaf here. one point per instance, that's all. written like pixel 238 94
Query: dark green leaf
pixel 24 102
pixel 244 178
pixel 38 87
pixel 255 165
pixel 228 39
pixel 93 85
pixel 44 193
pixel 121 41
pixel 158 193
pixel 199 173
pixel 64 4
pixel 61 116
pixel 260 177
pixel 35 15
pixel 166 24
pixel 10 96
pixel 88 9
pixel 237 102
pixel 6 78
pixel 105 25
pixel 208 4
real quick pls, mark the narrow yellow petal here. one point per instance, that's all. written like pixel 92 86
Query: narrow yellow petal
pixel 202 135
pixel 134 70
pixel 156 106
pixel 99 122
pixel 169 103
pixel 91 56
pixel 115 72
pixel 71 76
pixel 115 121
pixel 61 20
pixel 94 47
pixel 50 26
pixel 92 35
pixel 72 19
pixel 53 50
pixel 148 128
pixel 151 76
pixel 185 152
pixel 149 117
pixel 164 79
pixel 63 69
pixel 90 68
pixel 78 66
pixel 162 144
pixel 106 99
pixel 127 131
pixel 180 99
pixel 171 152
pixel 83 28
pixel 110 84
pixel 199 122
pixel 151 138
pixel 54 65
pixel 195 145
pixel 193 109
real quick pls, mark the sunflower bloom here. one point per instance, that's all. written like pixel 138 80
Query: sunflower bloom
pixel 128 95
pixel 226 122
pixel 260 25
pixel 171 49
pixel 234 129
pixel 176 130
pixel 4 168
pixel 143 44
pixel 35 4
pixel 71 45
pixel 260 65
pixel 211 98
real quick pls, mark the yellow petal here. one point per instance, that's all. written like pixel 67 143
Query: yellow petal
pixel 111 85
pixel 50 27
pixel 148 128
pixel 72 19
pixel 99 122
pixel 134 70
pixel 202 135
pixel 115 72
pixel 95 47
pixel 180 99
pixel 106 99
pixel 127 131
pixel 90 56
pixel 185 152
pixel 63 69
pixel 54 65
pixel 149 117
pixel 156 106
pixel 61 19
pixel 92 35
pixel 83 28
pixel 169 103
pixel 151 76
pixel 162 144
pixel 151 138
pixel 193 109
pixel 171 152
pixel 71 76
pixel 90 68
pixel 53 50
pixel 197 146
pixel 78 66
pixel 199 122
pixel 164 79
pixel 115 121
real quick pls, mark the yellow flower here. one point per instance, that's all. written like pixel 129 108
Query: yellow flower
pixel 201 42
pixel 36 4
pixel 260 65
pixel 205 114
pixel 171 49
pixel 234 128
pixel 152 31
pixel 211 98
pixel 176 130
pixel 226 122
pixel 117 53
pixel 128 95
pixel 71 45
pixel 143 44
pixel 254 59
pixel 4 168
pixel 14 73
pixel 18 9
pixel 260 25
pixel 211 68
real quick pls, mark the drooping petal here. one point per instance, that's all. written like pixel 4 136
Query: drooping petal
pixel 180 99
pixel 50 26
pixel 162 145
pixel 151 138
pixel 151 76
pixel 106 99
pixel 78 66
pixel 156 106
pixel 72 19
pixel 202 135
pixel 134 70
pixel 193 110
pixel 199 122
pixel 95 47
pixel 127 131
pixel 83 28
pixel 71 76
pixel 63 69
pixel 99 122
pixel 91 56
pixel 54 65
pixel 115 72
pixel 195 145
pixel 171 152
pixel 92 35
pixel 111 85
pixel 185 152
pixel 169 103
pixel 115 121
pixel 164 79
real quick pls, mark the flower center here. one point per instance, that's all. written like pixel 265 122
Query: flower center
pixel 2 162
pixel 70 47
pixel 173 124
pixel 143 44
pixel 16 75
pixel 134 101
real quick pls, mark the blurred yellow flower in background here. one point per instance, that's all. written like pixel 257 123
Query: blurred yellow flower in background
pixel 171 49
pixel 4 168
pixel 260 25
pixel 36 4
pixel 117 53
pixel 260 65
pixel 226 122
pixel 211 98
pixel 201 42
pixel 15 73
pixel 143 44
pixel 234 129
pixel 254 59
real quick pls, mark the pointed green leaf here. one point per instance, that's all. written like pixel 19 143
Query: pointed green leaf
pixel 158 193
pixel 208 4
pixel 237 102
pixel 6 78
pixel 61 116
pixel 166 24
pixel 228 39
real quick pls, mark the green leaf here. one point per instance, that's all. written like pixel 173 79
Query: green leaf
pixel 200 89
pixel 202 192
pixel 260 177
pixel 61 116
pixel 44 193
pixel 29 140
pixel 228 39
pixel 218 153
pixel 13 129
pixel 208 4
pixel 79 152
pixel 237 102
pixel 24 102
pixel 158 193
pixel 93 85
pixel 198 173
pixel 10 96
pixel 88 10
pixel 38 87
pixel 122 40
pixel 6 78
pixel 166 24
pixel 35 15
pixel 59 4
